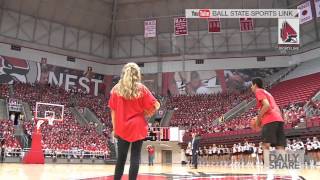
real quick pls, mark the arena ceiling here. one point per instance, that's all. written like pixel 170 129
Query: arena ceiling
pixel 91 15
pixel 97 15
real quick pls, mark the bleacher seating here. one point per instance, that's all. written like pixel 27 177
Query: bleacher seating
pixel 62 135
pixel 4 91
pixel 197 112
pixel 296 90
pixel 7 132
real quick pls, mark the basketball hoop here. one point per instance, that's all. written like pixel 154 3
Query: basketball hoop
pixel 49 112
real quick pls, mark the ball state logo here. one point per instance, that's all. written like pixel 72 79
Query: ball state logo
pixel 20 70
pixel 288 34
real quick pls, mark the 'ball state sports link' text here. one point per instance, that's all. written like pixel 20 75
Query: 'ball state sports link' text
pixel 252 13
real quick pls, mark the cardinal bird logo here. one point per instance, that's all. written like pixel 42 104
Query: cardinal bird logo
pixel 288 34
pixel 12 69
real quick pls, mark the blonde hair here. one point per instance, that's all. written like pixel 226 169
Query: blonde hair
pixel 128 85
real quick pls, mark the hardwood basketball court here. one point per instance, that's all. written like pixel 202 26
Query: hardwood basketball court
pixel 104 172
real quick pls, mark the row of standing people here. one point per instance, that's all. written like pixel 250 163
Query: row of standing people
pixel 249 153
pixel 223 155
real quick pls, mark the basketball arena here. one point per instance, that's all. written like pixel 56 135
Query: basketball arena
pixel 160 89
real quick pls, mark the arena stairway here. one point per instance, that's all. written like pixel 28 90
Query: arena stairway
pixel 27 111
pixel 11 90
pixel 165 121
pixel 308 109
pixel 239 109
pixel 245 105
pixel 85 116
pixel 3 109
pixel 113 155
pixel 279 76
pixel 79 116
pixel 90 116
pixel 21 136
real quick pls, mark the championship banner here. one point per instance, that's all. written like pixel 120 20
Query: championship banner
pixel 180 26
pixel 150 29
pixel 305 13
pixel 214 25
pixel 317 7
pixel 246 24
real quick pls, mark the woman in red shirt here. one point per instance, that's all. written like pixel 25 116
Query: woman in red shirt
pixel 130 101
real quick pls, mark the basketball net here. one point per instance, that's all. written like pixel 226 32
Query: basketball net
pixel 50 120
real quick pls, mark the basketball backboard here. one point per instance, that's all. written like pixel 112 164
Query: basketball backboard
pixel 45 111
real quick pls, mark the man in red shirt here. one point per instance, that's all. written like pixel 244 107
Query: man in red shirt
pixel 269 117
pixel 150 154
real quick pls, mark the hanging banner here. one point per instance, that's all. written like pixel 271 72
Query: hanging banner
pixel 246 24
pixel 150 28
pixel 214 25
pixel 305 13
pixel 317 7
pixel 180 26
